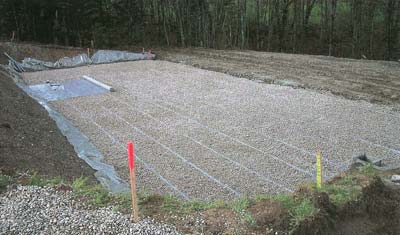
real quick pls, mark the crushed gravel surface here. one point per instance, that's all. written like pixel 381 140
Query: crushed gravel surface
pixel 36 210
pixel 374 81
pixel 207 135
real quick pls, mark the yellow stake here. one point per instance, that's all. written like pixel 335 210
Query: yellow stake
pixel 319 170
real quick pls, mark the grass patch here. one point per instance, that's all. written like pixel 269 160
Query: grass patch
pixel 343 191
pixel 171 203
pixel 240 204
pixel 5 180
pixel 299 207
pixel 95 193
pixel 36 180
pixel 240 207
pixel 368 169
pixel 29 179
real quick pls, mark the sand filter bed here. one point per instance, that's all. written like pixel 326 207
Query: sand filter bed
pixel 207 135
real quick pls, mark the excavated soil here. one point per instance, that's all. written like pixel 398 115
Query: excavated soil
pixel 375 213
pixel 20 51
pixel 30 139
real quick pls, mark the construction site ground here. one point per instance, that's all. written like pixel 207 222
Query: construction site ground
pixel 206 135
pixel 373 81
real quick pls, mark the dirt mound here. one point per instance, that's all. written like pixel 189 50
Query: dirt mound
pixel 270 214
pixel 19 51
pixel 376 212
pixel 30 139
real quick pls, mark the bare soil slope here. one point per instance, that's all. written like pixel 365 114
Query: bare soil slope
pixel 30 139
pixel 20 51
pixel 374 81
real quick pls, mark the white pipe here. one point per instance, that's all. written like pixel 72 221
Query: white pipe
pixel 109 88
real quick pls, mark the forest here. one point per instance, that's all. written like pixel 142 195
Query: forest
pixel 362 29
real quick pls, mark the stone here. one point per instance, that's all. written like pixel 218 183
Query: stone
pixel 395 178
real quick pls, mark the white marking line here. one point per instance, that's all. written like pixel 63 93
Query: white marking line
pixel 96 124
pixel 265 178
pixel 341 165
pixel 297 148
pixel 345 164
pixel 233 138
pixel 336 164
pixel 287 144
pixel 328 175
pixel 397 152
pixel 145 164
pixel 225 186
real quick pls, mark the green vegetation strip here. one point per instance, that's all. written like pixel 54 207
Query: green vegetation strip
pixel 299 205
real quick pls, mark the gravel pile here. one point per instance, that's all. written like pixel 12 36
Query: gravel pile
pixel 36 210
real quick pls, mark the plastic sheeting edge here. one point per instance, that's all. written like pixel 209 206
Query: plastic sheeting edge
pixel 105 174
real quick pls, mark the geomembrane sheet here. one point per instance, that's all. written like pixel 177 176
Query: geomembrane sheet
pixel 68 89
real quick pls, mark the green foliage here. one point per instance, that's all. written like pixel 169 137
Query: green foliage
pixel 248 218
pixel 36 180
pixel 96 194
pixel 366 25
pixel 123 201
pixel 5 180
pixel 300 210
pixel 368 169
pixel 299 207
pixel 196 205
pixel 56 180
pixel 79 184
pixel 171 203
pixel 240 206
pixel 343 191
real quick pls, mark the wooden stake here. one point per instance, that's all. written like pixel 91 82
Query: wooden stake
pixel 319 170
pixel 131 161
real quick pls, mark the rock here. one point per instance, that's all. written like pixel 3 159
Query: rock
pixel 395 178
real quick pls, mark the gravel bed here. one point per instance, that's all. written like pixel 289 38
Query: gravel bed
pixel 36 210
pixel 206 130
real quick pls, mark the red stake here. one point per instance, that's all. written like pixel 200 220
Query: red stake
pixel 131 163
pixel 131 159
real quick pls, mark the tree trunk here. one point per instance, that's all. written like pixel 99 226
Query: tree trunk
pixel 164 19
pixel 258 24
pixel 332 26
pixel 242 7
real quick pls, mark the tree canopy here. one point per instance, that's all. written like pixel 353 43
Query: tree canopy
pixel 345 28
